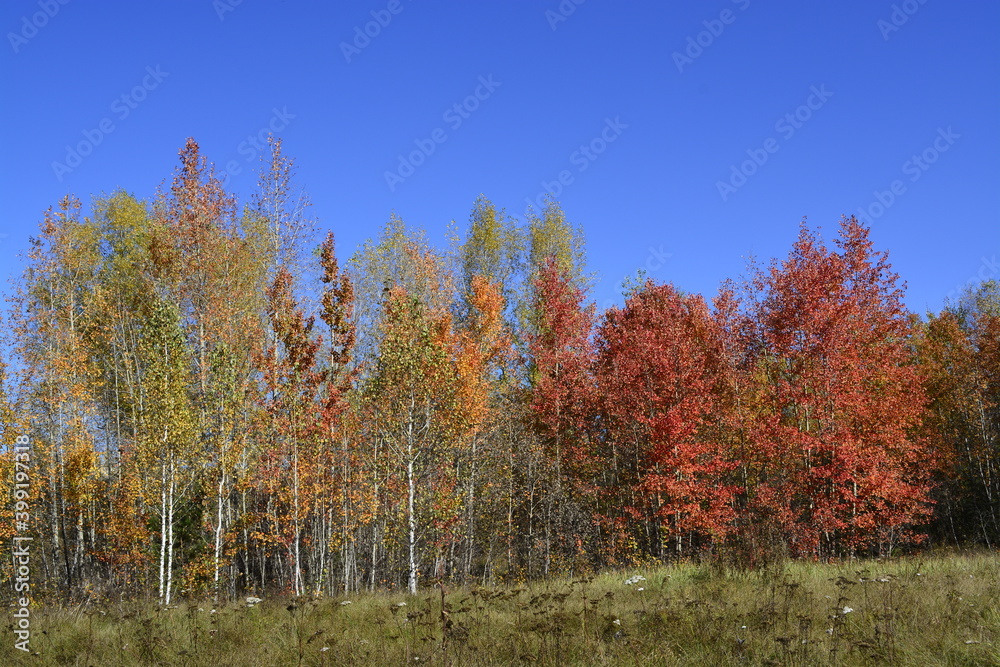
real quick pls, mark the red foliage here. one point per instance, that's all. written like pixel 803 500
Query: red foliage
pixel 562 392
pixel 837 456
pixel 337 313
pixel 657 365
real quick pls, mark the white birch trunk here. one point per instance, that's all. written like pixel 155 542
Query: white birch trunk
pixel 170 533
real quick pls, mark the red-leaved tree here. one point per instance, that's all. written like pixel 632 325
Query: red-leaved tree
pixel 561 399
pixel 838 459
pixel 658 358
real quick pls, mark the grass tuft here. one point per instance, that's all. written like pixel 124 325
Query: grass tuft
pixel 939 610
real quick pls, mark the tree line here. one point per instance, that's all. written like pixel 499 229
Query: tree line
pixel 216 405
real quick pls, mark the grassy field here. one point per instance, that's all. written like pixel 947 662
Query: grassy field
pixel 941 610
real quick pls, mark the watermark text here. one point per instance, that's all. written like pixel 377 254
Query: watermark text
pixel 454 116
pixel 581 158
pixel 22 543
pixel 786 126
pixel 696 44
pixel 31 25
pixel 913 168
pixel 122 107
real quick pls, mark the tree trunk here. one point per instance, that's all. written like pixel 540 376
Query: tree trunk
pixel 411 520
pixel 218 535
pixel 170 532
pixel 163 528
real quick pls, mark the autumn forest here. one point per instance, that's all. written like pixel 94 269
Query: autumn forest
pixel 217 404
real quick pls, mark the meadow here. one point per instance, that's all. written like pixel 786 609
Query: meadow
pixel 932 610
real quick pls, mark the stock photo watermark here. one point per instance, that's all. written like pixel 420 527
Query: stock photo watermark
pixel 454 116
pixel 363 35
pixel 581 158
pixel 30 25
pixel 989 269
pixel 655 260
pixel 223 7
pixel 900 14
pixel 256 143
pixel 696 44
pixel 913 168
pixel 786 126
pixel 562 12
pixel 122 107
pixel 22 543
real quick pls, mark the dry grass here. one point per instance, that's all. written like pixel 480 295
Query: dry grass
pixel 941 610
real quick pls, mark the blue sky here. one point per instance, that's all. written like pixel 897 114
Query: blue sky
pixel 687 136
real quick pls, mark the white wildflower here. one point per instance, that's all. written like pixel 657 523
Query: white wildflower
pixel 847 610
pixel 345 603
pixel 616 622
pixel 640 588
pixel 400 604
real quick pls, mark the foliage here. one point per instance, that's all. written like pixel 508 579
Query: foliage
pixel 217 406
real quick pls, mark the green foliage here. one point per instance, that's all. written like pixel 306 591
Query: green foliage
pixel 400 257
pixel 493 249
pixel 551 235
pixel 167 413
pixel 978 300
pixel 551 238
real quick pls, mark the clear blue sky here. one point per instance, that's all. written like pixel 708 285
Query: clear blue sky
pixel 869 85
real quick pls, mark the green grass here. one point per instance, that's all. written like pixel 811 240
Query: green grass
pixel 940 610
